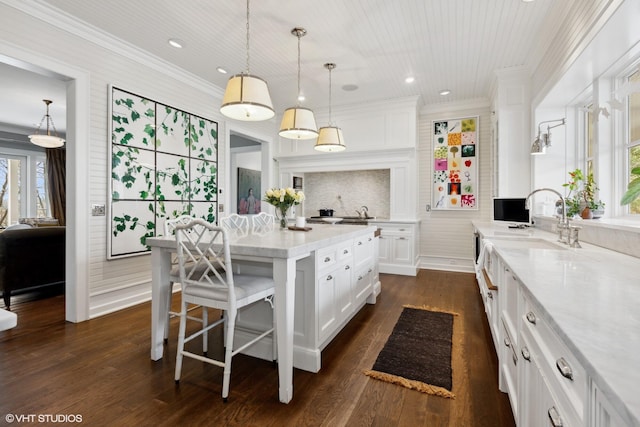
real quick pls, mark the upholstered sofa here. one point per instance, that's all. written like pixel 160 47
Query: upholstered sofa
pixel 31 257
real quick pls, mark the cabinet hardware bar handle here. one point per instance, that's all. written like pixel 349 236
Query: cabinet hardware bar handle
pixel 556 421
pixel 507 342
pixel 525 354
pixel 515 358
pixel 346 251
pixel 329 277
pixel 402 229
pixel 359 242
pixel 327 259
pixel 402 238
pixel 531 317
pixel 564 368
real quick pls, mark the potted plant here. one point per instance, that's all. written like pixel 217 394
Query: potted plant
pixel 581 199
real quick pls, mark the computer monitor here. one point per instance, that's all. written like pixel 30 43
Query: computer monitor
pixel 510 209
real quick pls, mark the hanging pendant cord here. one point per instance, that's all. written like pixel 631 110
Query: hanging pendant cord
pixel 330 122
pixel 248 71
pixel 298 94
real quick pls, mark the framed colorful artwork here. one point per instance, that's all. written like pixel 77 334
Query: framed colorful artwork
pixel 455 163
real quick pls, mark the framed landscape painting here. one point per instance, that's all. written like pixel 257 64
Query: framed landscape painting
pixel 455 163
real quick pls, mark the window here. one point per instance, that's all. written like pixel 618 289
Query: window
pixel 23 186
pixel 589 148
pixel 632 147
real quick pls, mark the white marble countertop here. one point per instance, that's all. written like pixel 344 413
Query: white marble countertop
pixel 286 243
pixel 590 297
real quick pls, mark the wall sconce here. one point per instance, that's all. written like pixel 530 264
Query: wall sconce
pixel 543 140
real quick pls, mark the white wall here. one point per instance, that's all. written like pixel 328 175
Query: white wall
pixel 115 284
pixel 446 237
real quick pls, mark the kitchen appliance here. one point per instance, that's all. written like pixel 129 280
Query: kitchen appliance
pixel 510 209
pixel 326 212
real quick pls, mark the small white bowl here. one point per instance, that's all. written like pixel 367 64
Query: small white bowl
pixel 331 219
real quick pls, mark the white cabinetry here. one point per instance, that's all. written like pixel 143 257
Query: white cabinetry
pixel 398 252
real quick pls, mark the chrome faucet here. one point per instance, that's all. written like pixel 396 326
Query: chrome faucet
pixel 365 211
pixel 564 235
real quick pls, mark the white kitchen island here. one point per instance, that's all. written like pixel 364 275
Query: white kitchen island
pixel 323 277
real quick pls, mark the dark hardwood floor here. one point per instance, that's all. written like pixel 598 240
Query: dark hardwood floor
pixel 101 370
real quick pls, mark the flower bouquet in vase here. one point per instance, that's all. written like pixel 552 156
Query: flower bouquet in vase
pixel 282 199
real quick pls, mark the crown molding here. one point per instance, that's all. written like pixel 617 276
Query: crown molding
pixel 38 9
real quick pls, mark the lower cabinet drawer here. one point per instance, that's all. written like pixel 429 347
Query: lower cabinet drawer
pixel 566 376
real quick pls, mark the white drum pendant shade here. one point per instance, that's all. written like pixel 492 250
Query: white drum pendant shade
pixel 330 139
pixel 247 98
pixel 298 123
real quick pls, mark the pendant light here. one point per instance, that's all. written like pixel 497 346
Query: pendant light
pixel 298 122
pixel 48 140
pixel 330 137
pixel 247 97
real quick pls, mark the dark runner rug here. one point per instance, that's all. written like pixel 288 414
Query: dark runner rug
pixel 418 354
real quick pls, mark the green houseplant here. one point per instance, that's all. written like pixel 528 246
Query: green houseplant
pixel 633 189
pixel 581 199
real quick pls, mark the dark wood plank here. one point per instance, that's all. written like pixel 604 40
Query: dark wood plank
pixel 101 369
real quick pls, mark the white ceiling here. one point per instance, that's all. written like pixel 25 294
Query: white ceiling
pixel 444 44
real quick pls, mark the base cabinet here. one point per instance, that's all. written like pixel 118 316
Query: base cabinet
pixel 398 247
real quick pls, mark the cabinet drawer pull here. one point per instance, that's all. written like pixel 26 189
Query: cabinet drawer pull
pixel 489 295
pixel 525 354
pixel 507 341
pixel 554 416
pixel 515 358
pixel 369 238
pixel 531 317
pixel 346 267
pixel 514 278
pixel 359 242
pixel 346 251
pixel 401 229
pixel 402 238
pixel 329 277
pixel 359 277
pixel 564 368
pixel 327 259
pixel 370 270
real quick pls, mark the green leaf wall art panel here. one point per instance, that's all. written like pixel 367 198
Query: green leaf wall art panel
pixel 204 139
pixel 164 163
pixel 204 210
pixel 172 177
pixel 133 120
pixel 204 184
pixel 172 131
pixel 132 222
pixel 132 173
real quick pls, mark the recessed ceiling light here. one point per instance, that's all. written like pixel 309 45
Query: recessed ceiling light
pixel 527 1
pixel 177 43
pixel 350 87
pixel 409 79
pixel 445 92
pixel 221 70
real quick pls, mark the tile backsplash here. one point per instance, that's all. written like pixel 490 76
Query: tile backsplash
pixel 346 191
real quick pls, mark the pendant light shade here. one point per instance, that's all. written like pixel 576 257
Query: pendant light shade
pixel 47 140
pixel 247 97
pixel 298 122
pixel 330 138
